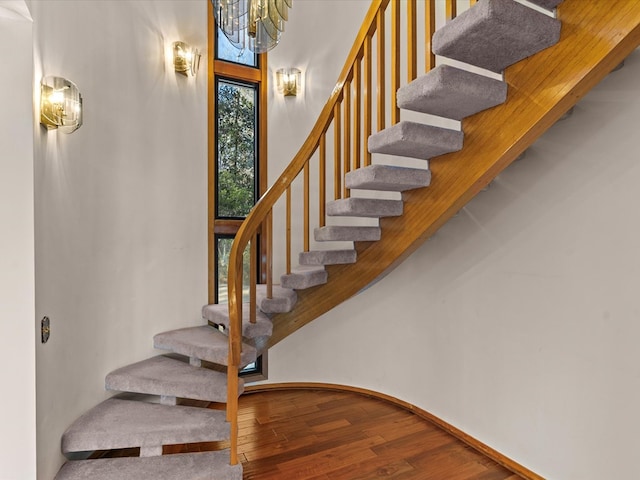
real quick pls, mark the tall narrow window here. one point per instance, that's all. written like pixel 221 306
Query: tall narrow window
pixel 236 171
pixel 237 154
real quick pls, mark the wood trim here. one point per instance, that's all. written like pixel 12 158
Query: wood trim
pixel 430 28
pixel 242 72
pixel 395 61
pixel 382 71
pixel 451 10
pixel 474 443
pixel 412 41
pixel 211 158
pixel 346 162
pixel 337 149
pixel 595 38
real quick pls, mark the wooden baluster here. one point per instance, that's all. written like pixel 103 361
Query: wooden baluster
pixel 235 350
pixel 306 206
pixel 347 133
pixel 395 61
pixel 288 230
pixel 380 50
pixel 430 28
pixel 253 275
pixel 412 41
pixel 337 145
pixel 367 99
pixel 269 237
pixel 232 409
pixel 451 9
pixel 322 173
pixel 356 115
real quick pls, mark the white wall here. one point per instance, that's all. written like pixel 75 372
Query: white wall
pixel 121 223
pixel 518 321
pixel 17 297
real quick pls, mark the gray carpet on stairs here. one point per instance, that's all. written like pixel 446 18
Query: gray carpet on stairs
pixel 283 299
pixel 416 140
pixel 303 277
pixel 548 4
pixel 364 207
pixel 387 178
pixel 495 34
pixel 340 233
pixel 205 343
pixel 219 314
pixel 450 92
pixel 120 423
pixel 184 466
pixel 327 257
pixel 170 376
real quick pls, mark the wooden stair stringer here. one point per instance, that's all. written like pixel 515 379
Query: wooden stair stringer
pixel 595 38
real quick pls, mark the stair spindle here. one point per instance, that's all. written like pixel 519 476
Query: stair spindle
pixel 337 145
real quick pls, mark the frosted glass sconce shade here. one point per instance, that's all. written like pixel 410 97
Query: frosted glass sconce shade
pixel 288 81
pixel 186 59
pixel 60 104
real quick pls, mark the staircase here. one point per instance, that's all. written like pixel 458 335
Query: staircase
pixel 450 166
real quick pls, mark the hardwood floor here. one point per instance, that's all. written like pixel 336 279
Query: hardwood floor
pixel 322 435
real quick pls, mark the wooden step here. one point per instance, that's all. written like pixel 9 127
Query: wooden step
pixel 416 140
pixel 121 423
pixel 450 92
pixel 218 314
pixel 387 178
pixel 494 34
pixel 340 233
pixel 184 466
pixel 204 343
pixel 172 377
pixel 303 277
pixel 364 207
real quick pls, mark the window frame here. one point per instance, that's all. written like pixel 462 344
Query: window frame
pixel 228 227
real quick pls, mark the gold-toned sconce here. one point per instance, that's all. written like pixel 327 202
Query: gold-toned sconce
pixel 288 81
pixel 60 104
pixel 186 59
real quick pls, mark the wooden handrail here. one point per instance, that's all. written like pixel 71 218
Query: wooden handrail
pixel 349 111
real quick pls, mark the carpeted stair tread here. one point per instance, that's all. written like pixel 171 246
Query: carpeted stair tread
pixel 204 342
pixel 183 466
pixel 388 178
pixel 451 92
pixel 494 34
pixel 218 314
pixel 173 377
pixel 548 4
pixel 327 257
pixel 415 140
pixel 120 423
pixel 364 207
pixel 340 233
pixel 304 277
pixel 283 299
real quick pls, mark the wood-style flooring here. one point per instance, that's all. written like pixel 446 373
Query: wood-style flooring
pixel 330 435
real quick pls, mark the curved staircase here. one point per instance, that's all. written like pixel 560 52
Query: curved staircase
pixel 490 36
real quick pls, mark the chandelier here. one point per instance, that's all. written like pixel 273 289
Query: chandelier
pixel 252 24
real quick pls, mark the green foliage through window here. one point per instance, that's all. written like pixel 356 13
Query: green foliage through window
pixel 236 148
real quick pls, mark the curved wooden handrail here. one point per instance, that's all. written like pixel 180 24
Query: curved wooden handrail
pixel 595 38
pixel 259 219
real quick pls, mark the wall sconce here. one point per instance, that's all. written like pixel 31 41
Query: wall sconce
pixel 288 81
pixel 60 104
pixel 186 59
